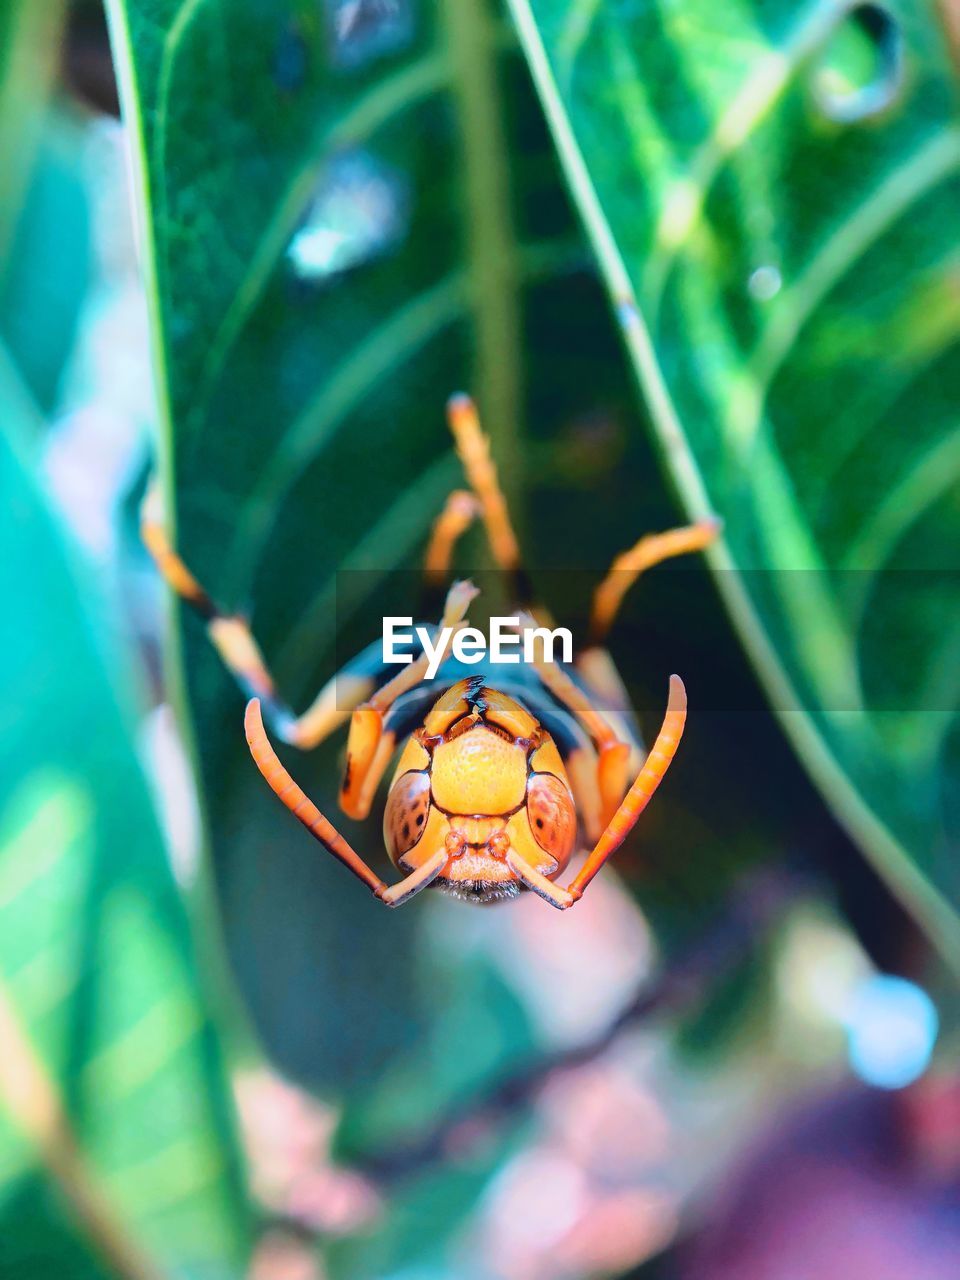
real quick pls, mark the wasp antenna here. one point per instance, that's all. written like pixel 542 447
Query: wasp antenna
pixel 299 803
pixel 677 697
pixel 646 783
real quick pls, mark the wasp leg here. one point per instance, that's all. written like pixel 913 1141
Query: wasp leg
pixel 602 682
pixel 370 746
pixel 627 568
pixel 596 667
pixel 594 664
pixel 473 449
pixel 233 640
pixel 458 514
pixel 370 742
pixel 303 808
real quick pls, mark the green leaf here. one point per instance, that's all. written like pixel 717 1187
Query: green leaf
pixel 773 193
pixel 117 1152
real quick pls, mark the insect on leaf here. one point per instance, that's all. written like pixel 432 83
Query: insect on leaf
pixel 338 236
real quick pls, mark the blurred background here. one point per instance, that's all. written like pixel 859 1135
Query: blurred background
pixel 220 1058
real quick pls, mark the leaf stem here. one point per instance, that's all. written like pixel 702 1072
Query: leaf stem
pixel 494 268
pixel 35 1107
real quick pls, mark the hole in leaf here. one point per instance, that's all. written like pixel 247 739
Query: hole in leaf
pixel 859 72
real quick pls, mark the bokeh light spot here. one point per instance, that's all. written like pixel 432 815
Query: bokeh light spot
pixel 892 1028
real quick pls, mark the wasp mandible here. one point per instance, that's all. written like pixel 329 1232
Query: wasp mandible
pixel 501 769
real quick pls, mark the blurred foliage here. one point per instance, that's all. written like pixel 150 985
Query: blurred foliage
pixel 115 1133
pixel 117 1152
pixel 44 220
pixel 773 193
pixel 48 268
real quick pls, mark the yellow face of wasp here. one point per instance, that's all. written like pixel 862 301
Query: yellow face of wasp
pixel 479 778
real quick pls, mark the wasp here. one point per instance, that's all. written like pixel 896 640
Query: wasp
pixel 502 770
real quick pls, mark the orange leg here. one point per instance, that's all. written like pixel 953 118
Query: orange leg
pixel 627 568
pixel 596 667
pixel 303 808
pixel 231 636
pixel 458 514
pixel 473 449
pixel 625 818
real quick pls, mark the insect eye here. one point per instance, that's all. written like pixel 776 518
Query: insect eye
pixel 553 818
pixel 408 806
